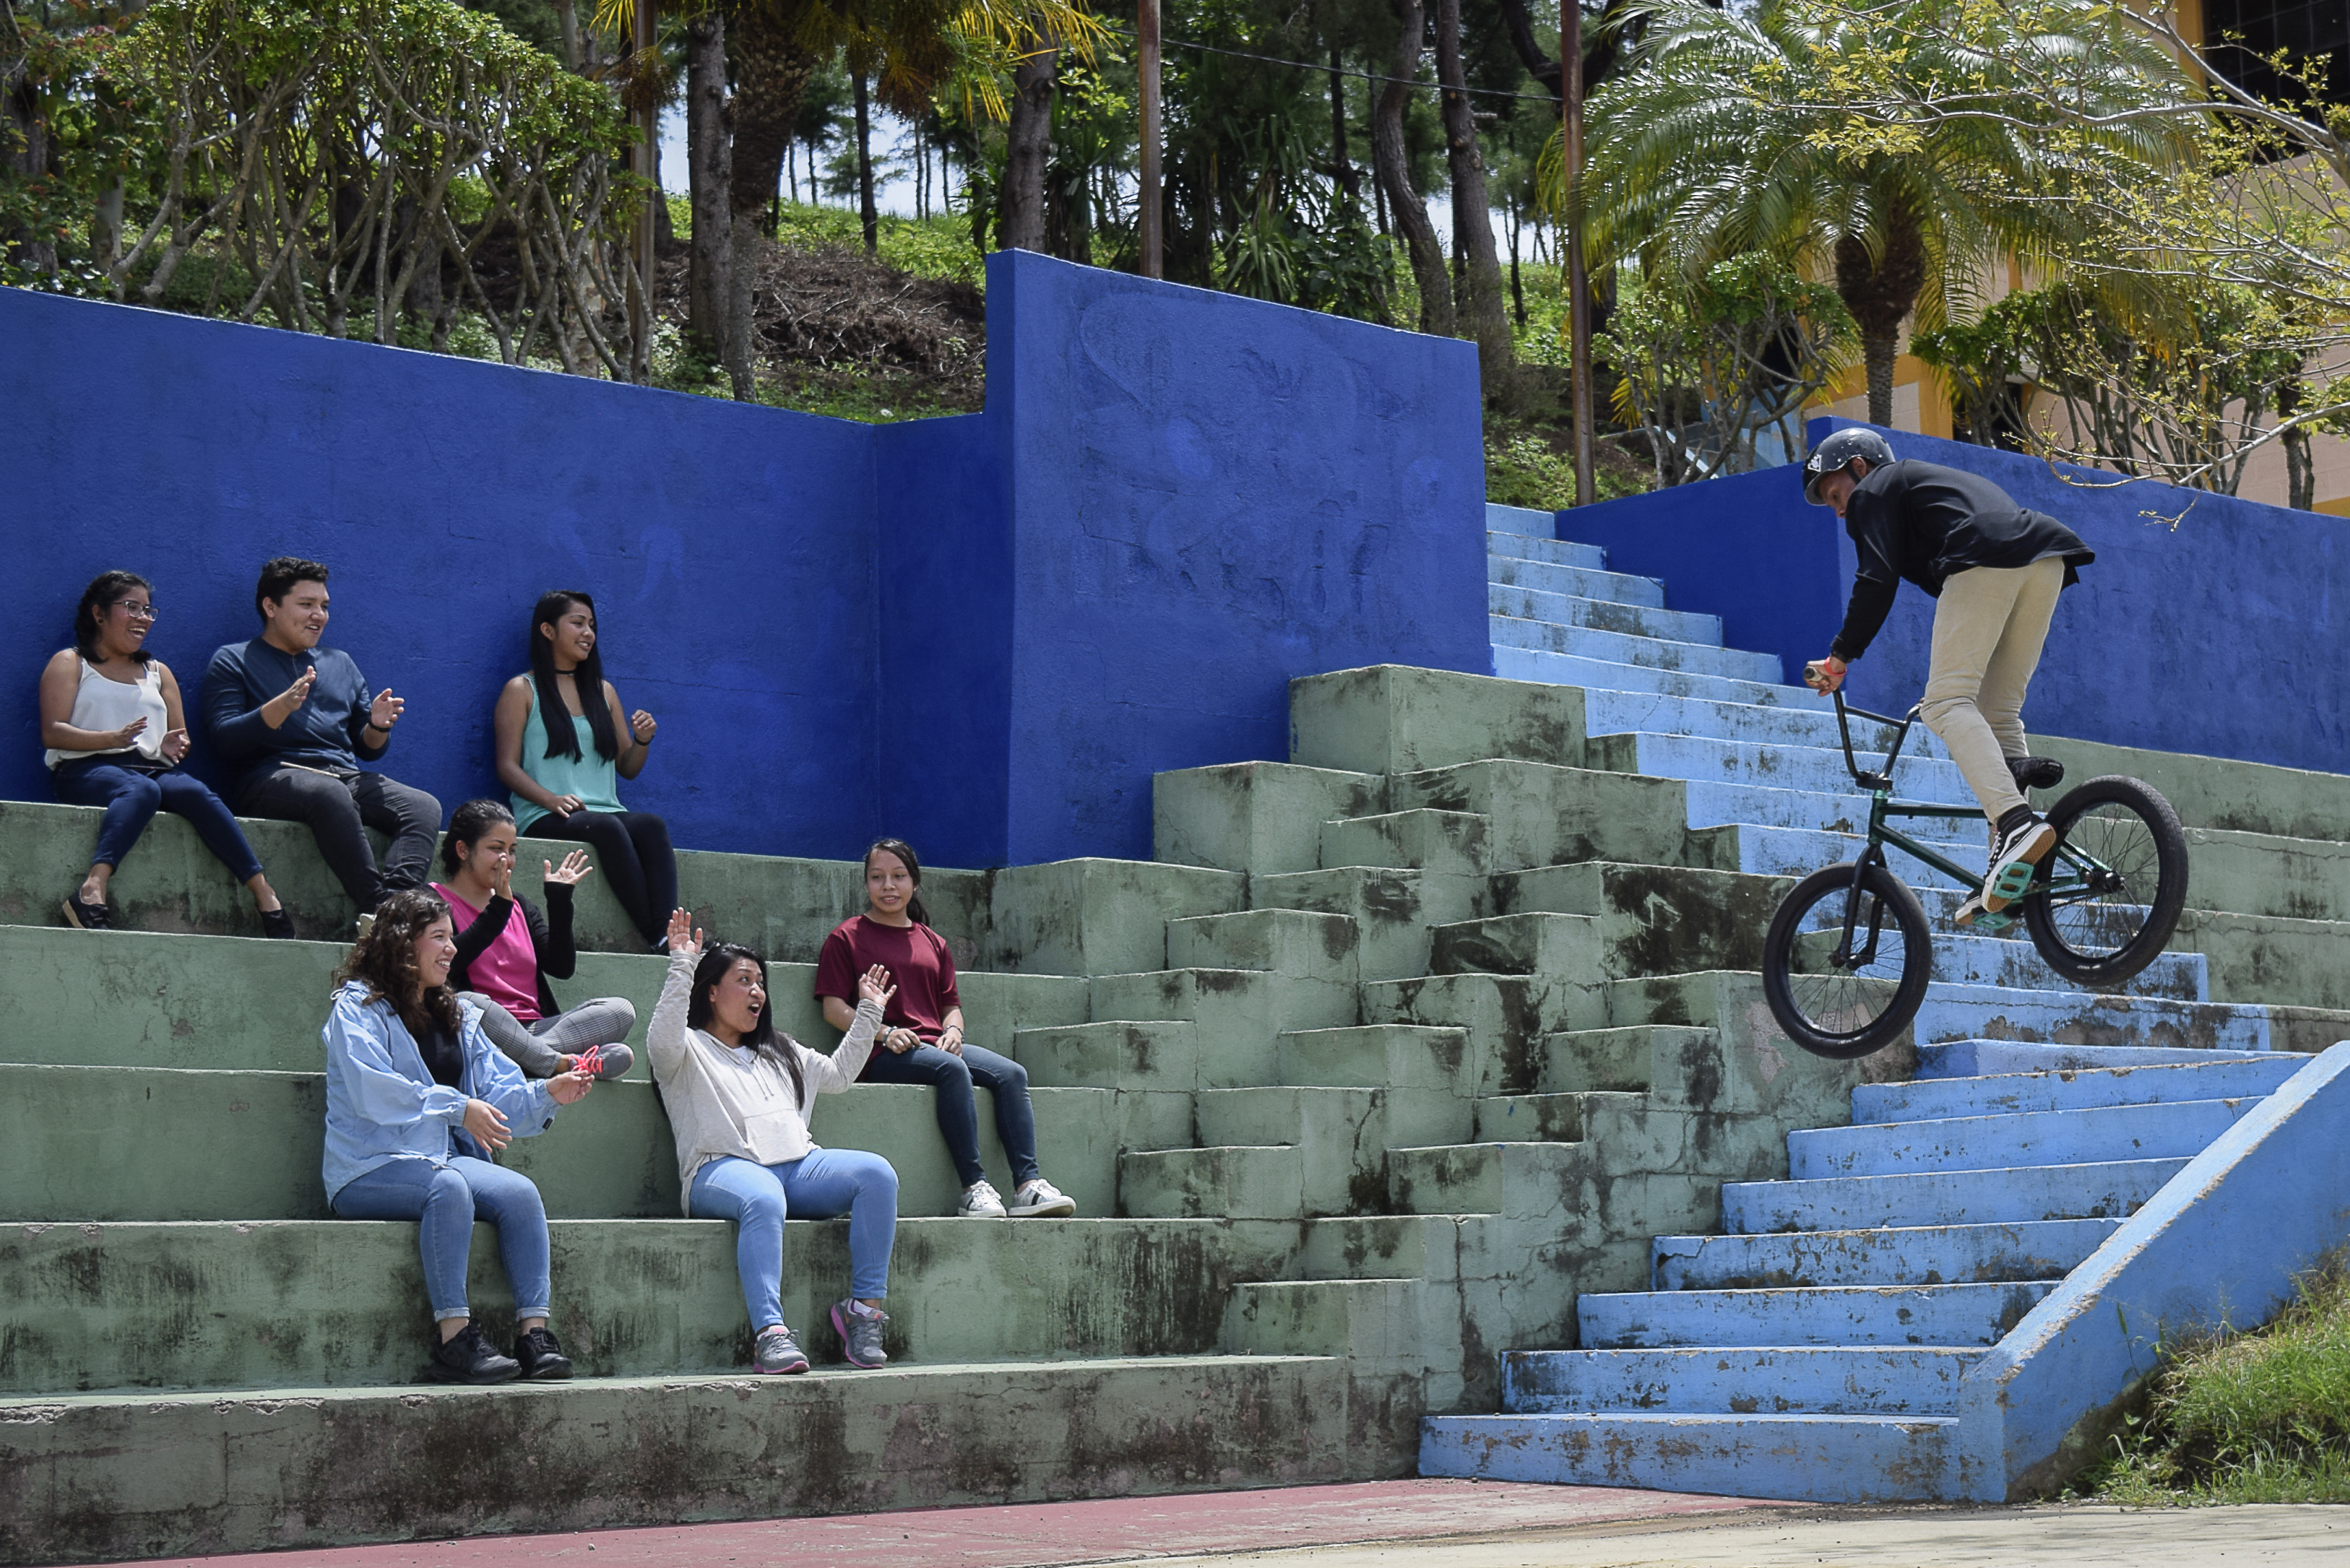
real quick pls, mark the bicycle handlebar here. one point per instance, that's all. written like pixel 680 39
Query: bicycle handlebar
pixel 1883 778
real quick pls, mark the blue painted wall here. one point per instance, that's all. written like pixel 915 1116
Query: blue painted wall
pixel 981 633
pixel 2220 636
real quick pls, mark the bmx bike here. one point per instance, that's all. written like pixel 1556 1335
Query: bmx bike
pixel 1849 952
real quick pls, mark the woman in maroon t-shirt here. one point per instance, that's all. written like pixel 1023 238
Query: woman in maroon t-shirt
pixel 921 1035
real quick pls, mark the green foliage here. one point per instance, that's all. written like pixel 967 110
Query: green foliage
pixel 2248 1417
pixel 1525 468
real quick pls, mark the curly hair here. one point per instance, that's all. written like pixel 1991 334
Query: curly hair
pixel 384 961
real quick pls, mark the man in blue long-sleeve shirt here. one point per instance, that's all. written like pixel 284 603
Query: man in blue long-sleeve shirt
pixel 304 731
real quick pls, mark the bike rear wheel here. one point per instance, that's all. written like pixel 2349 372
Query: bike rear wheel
pixel 1849 1006
pixel 2108 897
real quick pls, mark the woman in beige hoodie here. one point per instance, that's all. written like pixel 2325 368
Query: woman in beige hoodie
pixel 737 1094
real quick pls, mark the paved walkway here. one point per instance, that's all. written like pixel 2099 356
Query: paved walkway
pixel 1414 1524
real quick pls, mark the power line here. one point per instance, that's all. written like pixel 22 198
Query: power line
pixel 1324 65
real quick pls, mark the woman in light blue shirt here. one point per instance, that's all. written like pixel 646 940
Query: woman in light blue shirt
pixel 564 741
pixel 416 1096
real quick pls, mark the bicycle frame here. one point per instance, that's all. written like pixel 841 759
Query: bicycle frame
pixel 2081 871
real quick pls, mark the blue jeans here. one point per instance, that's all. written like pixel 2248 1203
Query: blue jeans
pixel 447 1200
pixel 1006 1081
pixel 131 799
pixel 825 1184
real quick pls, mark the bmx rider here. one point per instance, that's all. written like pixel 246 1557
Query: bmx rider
pixel 1994 569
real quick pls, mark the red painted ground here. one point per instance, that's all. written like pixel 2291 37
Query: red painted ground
pixel 1037 1535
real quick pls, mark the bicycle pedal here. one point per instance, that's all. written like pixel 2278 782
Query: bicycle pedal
pixel 2014 882
pixel 1989 924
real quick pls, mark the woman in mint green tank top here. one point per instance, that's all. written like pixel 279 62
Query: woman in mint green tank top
pixel 564 744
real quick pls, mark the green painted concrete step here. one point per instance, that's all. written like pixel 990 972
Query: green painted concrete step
pixel 1257 817
pixel 612 1155
pixel 257 1305
pixel 1509 1178
pixel 1246 1007
pixel 1547 814
pixel 1232 1183
pixel 144 999
pixel 112 1476
pixel 1302 943
pixel 1392 907
pixel 1373 1320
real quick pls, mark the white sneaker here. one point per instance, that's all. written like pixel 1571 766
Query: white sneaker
pixel 980 1201
pixel 1040 1199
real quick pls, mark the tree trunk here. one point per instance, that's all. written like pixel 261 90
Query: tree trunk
pixel 1342 170
pixel 2300 464
pixel 1029 136
pixel 1517 289
pixel 1389 161
pixel 709 158
pixel 1472 222
pixel 23 153
pixel 1880 291
pixel 771 69
pixel 567 16
pixel 866 217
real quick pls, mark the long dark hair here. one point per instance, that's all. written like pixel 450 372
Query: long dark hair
pixel 103 591
pixel 719 958
pixel 384 961
pixel 905 852
pixel 554 715
pixel 471 820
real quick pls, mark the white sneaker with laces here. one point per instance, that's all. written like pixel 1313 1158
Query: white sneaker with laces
pixel 980 1201
pixel 1040 1199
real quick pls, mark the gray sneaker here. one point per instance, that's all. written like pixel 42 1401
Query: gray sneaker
pixel 777 1352
pixel 861 1336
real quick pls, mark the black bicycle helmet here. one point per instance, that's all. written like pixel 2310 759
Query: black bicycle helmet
pixel 1836 450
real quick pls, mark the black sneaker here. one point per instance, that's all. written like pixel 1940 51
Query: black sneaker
pixel 540 1357
pixel 466 1358
pixel 89 917
pixel 277 924
pixel 2036 773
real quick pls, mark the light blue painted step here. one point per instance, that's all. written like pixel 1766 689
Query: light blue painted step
pixel 1776 765
pixel 1836 1314
pixel 1964 959
pixel 1994 1012
pixel 1649 712
pixel 1557 552
pixel 1820 1458
pixel 1575 582
pixel 1605 615
pixel 1647 652
pixel 1522 520
pixel 1976 1058
pixel 1813 1380
pixel 2109 1190
pixel 1567 669
pixel 1776 851
pixel 1715 804
pixel 1888 1255
pixel 2014 1140
pixel 1927 1099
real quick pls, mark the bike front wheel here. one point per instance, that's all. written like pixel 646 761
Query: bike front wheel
pixel 2107 898
pixel 1839 1002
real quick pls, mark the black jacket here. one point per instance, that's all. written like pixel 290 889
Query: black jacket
pixel 550 938
pixel 1922 522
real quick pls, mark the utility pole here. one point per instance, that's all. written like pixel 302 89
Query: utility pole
pixel 648 152
pixel 1578 287
pixel 1148 211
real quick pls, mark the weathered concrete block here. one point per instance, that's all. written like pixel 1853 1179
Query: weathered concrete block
pixel 1239 1014
pixel 1228 1182
pixel 2219 792
pixel 148 1475
pixel 1392 908
pixel 1300 942
pixel 1516 1181
pixel 1140 1055
pixel 1391 718
pixel 1547 1118
pixel 1396 1055
pixel 1654 919
pixel 1258 818
pixel 1342 1134
pixel 1448 844
pixel 1547 815
pixel 2269 959
pixel 1555 947
pixel 1506 1016
pixel 1078 1134
pixel 1098 916
pixel 1742 1063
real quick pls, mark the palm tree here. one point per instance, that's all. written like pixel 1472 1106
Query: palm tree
pixel 1899 149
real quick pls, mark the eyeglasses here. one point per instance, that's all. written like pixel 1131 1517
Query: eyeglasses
pixel 136 610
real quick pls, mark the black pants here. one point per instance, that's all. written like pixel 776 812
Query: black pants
pixel 336 806
pixel 632 855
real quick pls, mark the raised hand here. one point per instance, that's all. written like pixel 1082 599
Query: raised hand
pixel 175 744
pixel 501 877
pixel 280 707
pixel 874 986
pixel 567 875
pixel 641 726
pixel 384 711
pixel 682 937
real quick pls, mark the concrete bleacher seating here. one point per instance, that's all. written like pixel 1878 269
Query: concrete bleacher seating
pixel 1402 1048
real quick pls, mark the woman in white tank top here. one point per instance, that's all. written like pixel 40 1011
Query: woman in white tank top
pixel 112 724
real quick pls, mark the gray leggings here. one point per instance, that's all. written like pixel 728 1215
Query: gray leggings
pixel 539 1047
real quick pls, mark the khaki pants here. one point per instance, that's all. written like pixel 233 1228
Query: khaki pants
pixel 1988 626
